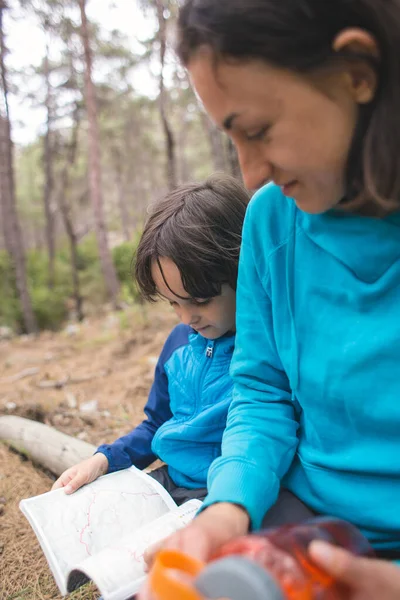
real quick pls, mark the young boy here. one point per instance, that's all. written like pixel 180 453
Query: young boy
pixel 188 255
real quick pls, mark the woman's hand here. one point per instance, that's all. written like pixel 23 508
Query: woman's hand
pixel 366 578
pixel 86 471
pixel 215 526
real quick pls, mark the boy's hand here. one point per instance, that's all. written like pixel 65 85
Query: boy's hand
pixel 215 526
pixel 366 578
pixel 85 472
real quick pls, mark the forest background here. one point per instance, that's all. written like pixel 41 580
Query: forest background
pixel 117 125
pixel 97 121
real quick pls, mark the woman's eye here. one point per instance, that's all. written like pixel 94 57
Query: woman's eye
pixel 172 303
pixel 253 137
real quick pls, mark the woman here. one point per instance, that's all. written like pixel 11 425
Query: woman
pixel 309 93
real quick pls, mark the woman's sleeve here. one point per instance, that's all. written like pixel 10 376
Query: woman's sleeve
pixel 260 439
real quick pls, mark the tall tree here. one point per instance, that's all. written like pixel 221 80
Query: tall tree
pixel 233 160
pixel 217 146
pixel 65 209
pixel 48 168
pixel 162 98
pixel 95 185
pixel 15 240
pixel 4 195
pixel 119 184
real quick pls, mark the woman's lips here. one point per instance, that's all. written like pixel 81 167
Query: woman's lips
pixel 287 188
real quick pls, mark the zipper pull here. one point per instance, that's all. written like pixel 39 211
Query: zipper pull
pixel 210 350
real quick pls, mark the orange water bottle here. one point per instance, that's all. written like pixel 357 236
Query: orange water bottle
pixel 271 565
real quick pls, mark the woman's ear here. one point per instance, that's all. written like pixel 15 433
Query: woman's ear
pixel 357 41
pixel 362 75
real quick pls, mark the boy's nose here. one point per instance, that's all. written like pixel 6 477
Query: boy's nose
pixel 187 317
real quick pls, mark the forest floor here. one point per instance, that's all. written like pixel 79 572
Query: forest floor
pixel 104 369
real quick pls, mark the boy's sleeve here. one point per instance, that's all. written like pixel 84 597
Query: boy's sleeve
pixel 135 447
pixel 260 439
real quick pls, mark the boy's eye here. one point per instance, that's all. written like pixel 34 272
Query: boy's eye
pixel 258 135
pixel 172 303
pixel 202 302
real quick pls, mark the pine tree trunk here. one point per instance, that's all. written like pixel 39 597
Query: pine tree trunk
pixel 48 170
pixel 8 196
pixel 123 211
pixel 4 200
pixel 109 273
pixel 67 217
pixel 233 160
pixel 162 98
pixel 216 139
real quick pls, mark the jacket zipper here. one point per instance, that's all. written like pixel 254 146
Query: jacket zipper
pixel 210 349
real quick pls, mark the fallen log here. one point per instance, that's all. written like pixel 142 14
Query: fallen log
pixel 43 444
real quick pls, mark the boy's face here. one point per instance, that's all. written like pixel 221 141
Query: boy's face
pixel 211 317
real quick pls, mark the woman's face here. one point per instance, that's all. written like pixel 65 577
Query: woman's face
pixel 286 128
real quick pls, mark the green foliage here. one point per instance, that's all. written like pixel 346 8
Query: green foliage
pixel 88 253
pixel 51 305
pixel 124 322
pixel 123 257
pixel 90 274
pixel 10 312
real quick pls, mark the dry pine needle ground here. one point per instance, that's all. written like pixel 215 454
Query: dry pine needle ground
pixel 24 574
pixel 128 353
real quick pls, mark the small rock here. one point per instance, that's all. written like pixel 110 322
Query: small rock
pixel 6 333
pixel 90 406
pixel 152 360
pixel 82 435
pixel 72 329
pixel 88 419
pixel 106 413
pixel 26 337
pixel 2 500
pixel 111 322
pixel 10 406
pixel 71 400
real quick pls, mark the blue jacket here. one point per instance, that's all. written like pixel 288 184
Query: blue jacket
pixel 316 402
pixel 186 410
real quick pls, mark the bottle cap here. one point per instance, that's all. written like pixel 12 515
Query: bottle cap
pixel 164 576
pixel 237 578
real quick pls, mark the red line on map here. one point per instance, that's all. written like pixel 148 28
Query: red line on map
pixel 81 534
pixel 87 525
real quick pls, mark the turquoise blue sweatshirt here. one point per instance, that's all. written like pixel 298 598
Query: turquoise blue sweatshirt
pixel 316 402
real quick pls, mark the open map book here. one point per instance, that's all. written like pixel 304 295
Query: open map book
pixel 101 531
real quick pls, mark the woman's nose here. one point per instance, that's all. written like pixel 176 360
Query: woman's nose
pixel 256 170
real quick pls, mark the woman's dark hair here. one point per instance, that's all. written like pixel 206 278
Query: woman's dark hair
pixel 298 35
pixel 199 227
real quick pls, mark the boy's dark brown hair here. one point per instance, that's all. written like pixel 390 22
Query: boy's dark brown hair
pixel 298 35
pixel 199 227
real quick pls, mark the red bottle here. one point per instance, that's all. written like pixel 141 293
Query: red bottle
pixel 270 565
